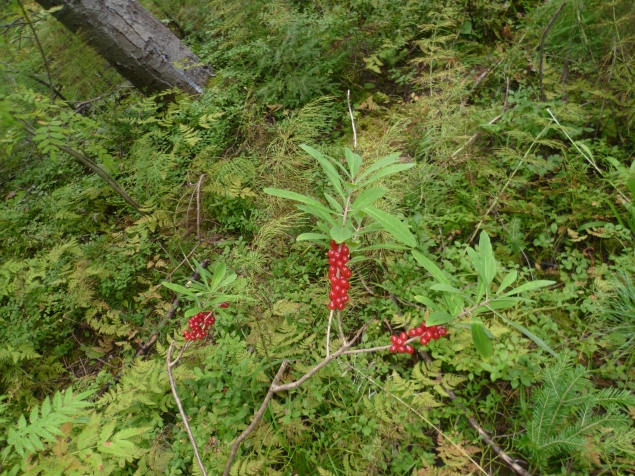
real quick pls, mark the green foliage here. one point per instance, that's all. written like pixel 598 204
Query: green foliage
pixel 454 88
pixel 569 418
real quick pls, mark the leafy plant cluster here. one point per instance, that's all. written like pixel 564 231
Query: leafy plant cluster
pixel 510 222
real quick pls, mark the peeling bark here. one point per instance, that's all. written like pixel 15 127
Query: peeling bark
pixel 134 42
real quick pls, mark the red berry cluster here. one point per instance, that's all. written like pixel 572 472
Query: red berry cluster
pixel 424 333
pixel 198 325
pixel 339 274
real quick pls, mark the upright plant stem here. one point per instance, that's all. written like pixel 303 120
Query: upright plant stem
pixel 39 45
pixel 542 49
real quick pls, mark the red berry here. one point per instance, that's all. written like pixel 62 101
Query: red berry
pixel 332 261
pixel 341 306
pixel 334 280
pixel 401 349
pixel 436 335
pixel 423 326
pixel 394 339
pixel 344 259
pixel 332 305
pixel 186 334
pixel 332 295
pixel 337 300
pixel 410 349
pixel 224 305
pixel 210 321
pixel 412 332
pixel 332 270
pixel 344 250
pixel 345 272
pixel 424 339
pixel 393 349
pixel 192 324
pixel 403 336
pixel 418 331
pixel 344 299
pixel 343 292
pixel 399 341
pixel 333 244
pixel 331 253
pixel 336 288
pixel 344 283
pixel 339 263
pixel 443 331
pixel 433 328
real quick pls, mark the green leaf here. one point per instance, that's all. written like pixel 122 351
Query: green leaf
pixel 481 340
pixel 34 415
pixel 593 224
pixel 508 280
pixel 446 288
pixel 193 311
pixel 334 203
pixel 276 192
pixel 488 261
pixel 502 303
pixel 46 407
pixel 530 286
pixel 341 234
pixel 385 246
pixel 354 161
pixel 392 225
pixel 438 318
pixel 383 162
pixel 219 273
pixel 393 169
pixel 177 288
pixel 318 212
pixel 539 342
pixel 426 301
pixel 312 237
pixel 328 167
pixel 368 197
pixel 430 267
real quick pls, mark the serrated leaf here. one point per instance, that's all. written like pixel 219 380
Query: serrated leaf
pixel 392 225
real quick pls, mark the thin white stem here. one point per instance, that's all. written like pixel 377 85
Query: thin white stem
pixel 328 334
pixel 350 111
pixel 172 363
pixel 339 325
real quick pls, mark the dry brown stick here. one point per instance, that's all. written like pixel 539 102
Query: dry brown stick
pixel 172 363
pixel 198 207
pixel 256 419
pixel 275 388
pixel 509 461
pixel 542 49
pixel 153 338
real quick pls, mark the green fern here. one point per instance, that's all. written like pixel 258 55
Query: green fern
pixel 566 415
pixel 45 422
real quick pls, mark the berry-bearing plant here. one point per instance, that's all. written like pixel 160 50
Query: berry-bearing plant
pixel 342 220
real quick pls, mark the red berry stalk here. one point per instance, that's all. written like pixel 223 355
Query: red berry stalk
pixel 339 274
pixel 199 324
pixel 425 334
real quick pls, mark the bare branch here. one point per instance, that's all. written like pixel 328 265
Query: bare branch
pixel 178 402
pixel 256 419
pixel 509 461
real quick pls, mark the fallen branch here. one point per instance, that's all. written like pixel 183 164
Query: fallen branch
pixel 172 363
pixel 275 388
pixel 508 460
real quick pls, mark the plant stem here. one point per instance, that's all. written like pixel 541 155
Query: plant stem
pixel 39 45
pixel 178 402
